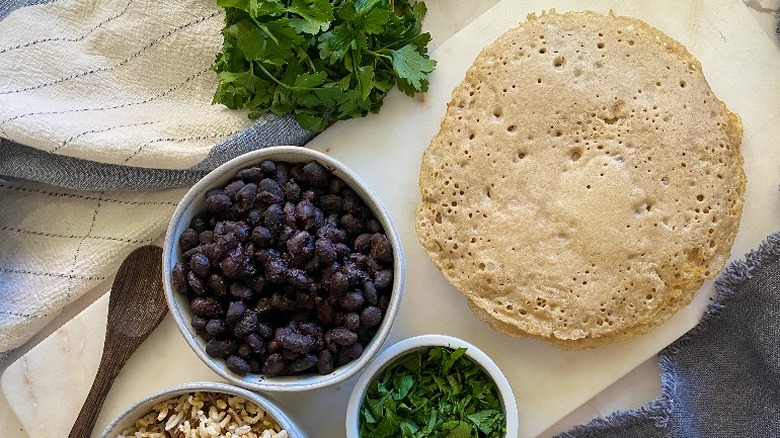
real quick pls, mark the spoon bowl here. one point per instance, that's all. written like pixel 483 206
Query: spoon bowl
pixel 135 308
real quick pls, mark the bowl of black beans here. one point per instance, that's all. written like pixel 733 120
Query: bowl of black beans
pixel 283 270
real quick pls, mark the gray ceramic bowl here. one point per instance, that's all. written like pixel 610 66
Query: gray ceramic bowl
pixel 193 204
pixel 144 406
pixel 425 342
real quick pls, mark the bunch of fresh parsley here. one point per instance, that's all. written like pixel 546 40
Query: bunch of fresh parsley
pixel 435 393
pixel 323 60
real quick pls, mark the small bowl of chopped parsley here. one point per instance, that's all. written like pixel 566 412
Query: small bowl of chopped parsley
pixel 432 386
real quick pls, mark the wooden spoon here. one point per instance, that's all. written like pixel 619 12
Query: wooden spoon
pixel 135 307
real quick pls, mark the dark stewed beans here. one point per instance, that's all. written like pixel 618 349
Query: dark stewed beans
pixel 287 271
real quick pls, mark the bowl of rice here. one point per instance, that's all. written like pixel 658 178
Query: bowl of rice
pixel 203 409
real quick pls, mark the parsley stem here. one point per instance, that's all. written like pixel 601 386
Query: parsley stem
pixel 280 83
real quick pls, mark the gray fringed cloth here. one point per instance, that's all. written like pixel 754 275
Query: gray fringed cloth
pixel 105 120
pixel 721 379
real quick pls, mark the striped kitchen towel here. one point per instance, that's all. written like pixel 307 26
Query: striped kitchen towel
pixel 105 119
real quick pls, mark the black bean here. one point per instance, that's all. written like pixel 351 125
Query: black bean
pixel 188 239
pixel 238 365
pixel 196 284
pixel 273 365
pixel 206 237
pixel 353 351
pixel 299 279
pixel 324 311
pixel 325 362
pixel 363 243
pixel 275 270
pixel 304 363
pixel 269 191
pixel 282 174
pixel 371 316
pixel 199 323
pixel 255 342
pixel 295 341
pixel 342 359
pixel 296 171
pixel 383 279
pixel 301 246
pixel 246 196
pixel 351 223
pixel 238 229
pixel 254 217
pixel 309 195
pixel 289 215
pixel 342 336
pixel 315 174
pixel 217 285
pixel 274 346
pixel 241 291
pixel 206 306
pixel 323 249
pixel 250 174
pixel 220 348
pixel 273 218
pixel 339 283
pixel 292 191
pixel 222 244
pixel 352 321
pixel 233 187
pixel 248 323
pixel 370 293
pixel 236 264
pixel 179 278
pixel 280 302
pixel 256 283
pixel 331 233
pixel 355 274
pixel 331 203
pixel 261 236
pixel 372 266
pixel 351 201
pixel 198 224
pixel 265 330
pixel 245 351
pixel 268 167
pixel 199 264
pixel 342 250
pixel 234 312
pixel 216 327
pixel 304 212
pixel 380 248
pixel 218 203
pixel 353 300
pixel 373 226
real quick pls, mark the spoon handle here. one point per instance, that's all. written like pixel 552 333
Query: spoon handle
pixel 109 368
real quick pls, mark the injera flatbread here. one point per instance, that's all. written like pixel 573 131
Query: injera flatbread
pixel 585 180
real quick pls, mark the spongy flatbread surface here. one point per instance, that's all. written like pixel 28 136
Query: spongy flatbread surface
pixel 585 180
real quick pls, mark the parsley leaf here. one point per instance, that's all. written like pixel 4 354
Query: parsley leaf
pixel 323 60
pixel 435 393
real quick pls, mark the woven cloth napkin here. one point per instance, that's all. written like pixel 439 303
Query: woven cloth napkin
pixel 721 379
pixel 105 119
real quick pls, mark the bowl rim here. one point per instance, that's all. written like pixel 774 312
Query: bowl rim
pixel 259 382
pixel 408 345
pixel 160 395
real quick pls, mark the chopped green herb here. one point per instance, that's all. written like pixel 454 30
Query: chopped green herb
pixel 435 393
pixel 323 60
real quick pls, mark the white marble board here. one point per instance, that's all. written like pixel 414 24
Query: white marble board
pixel 45 387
